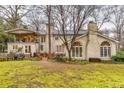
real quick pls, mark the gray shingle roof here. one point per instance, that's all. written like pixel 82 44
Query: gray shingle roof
pixel 81 32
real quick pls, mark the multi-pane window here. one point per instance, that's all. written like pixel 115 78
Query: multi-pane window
pixel 59 49
pixel 28 49
pixel 43 39
pixel 77 50
pixel 41 47
pixel 105 49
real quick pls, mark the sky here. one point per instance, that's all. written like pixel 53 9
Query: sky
pixel 62 2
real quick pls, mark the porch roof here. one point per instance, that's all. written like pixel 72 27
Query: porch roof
pixel 17 31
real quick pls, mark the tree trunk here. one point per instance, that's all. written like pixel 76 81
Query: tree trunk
pixel 119 39
pixel 49 27
pixel 69 55
pixel 87 46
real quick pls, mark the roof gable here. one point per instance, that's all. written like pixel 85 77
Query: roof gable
pixel 103 36
pixel 106 37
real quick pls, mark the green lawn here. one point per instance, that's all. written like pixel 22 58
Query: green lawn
pixel 29 74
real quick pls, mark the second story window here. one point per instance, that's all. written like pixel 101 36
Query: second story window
pixel 42 39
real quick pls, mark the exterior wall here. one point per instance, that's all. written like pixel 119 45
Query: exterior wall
pixel 112 45
pixel 34 47
pixel 46 48
pixel 55 43
pixel 94 43
pixel 93 47
pixel 90 51
pixel 45 44
pixel 83 41
pixel 93 50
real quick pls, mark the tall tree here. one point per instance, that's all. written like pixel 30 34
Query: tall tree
pixel 118 23
pixel 47 11
pixel 49 26
pixel 36 18
pixel 102 15
pixel 13 14
pixel 39 16
pixel 70 19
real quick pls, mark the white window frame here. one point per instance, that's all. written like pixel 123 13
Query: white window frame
pixel 59 49
pixel 43 39
pixel 75 55
pixel 103 49
pixel 27 48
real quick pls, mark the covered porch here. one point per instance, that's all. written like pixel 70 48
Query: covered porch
pixel 26 48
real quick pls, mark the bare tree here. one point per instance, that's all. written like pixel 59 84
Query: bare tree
pixel 39 16
pixel 13 14
pixel 118 23
pixel 102 15
pixel 36 18
pixel 48 13
pixel 70 19
pixel 47 10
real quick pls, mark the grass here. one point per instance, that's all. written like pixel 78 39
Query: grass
pixel 64 60
pixel 31 74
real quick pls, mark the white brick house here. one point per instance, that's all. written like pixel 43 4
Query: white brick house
pixel 89 44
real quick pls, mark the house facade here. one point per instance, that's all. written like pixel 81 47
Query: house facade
pixel 89 44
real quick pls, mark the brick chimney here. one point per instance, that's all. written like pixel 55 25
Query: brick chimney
pixel 92 42
pixel 92 28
